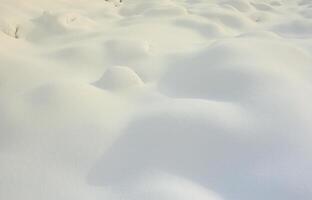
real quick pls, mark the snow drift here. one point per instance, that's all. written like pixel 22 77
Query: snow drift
pixel 156 99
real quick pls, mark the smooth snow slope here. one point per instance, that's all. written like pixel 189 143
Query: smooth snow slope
pixel 156 100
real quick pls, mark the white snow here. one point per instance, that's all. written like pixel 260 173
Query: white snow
pixel 155 99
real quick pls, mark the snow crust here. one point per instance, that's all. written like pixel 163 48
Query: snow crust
pixel 155 99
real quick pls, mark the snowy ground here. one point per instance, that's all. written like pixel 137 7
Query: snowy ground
pixel 156 100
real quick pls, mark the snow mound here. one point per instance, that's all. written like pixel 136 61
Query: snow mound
pixel 59 23
pixel 241 5
pixel 156 186
pixel 119 77
pixel 207 74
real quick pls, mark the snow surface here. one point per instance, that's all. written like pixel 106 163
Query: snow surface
pixel 156 100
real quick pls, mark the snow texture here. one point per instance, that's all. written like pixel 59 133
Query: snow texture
pixel 155 99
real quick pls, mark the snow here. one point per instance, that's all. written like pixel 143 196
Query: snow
pixel 119 77
pixel 155 99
